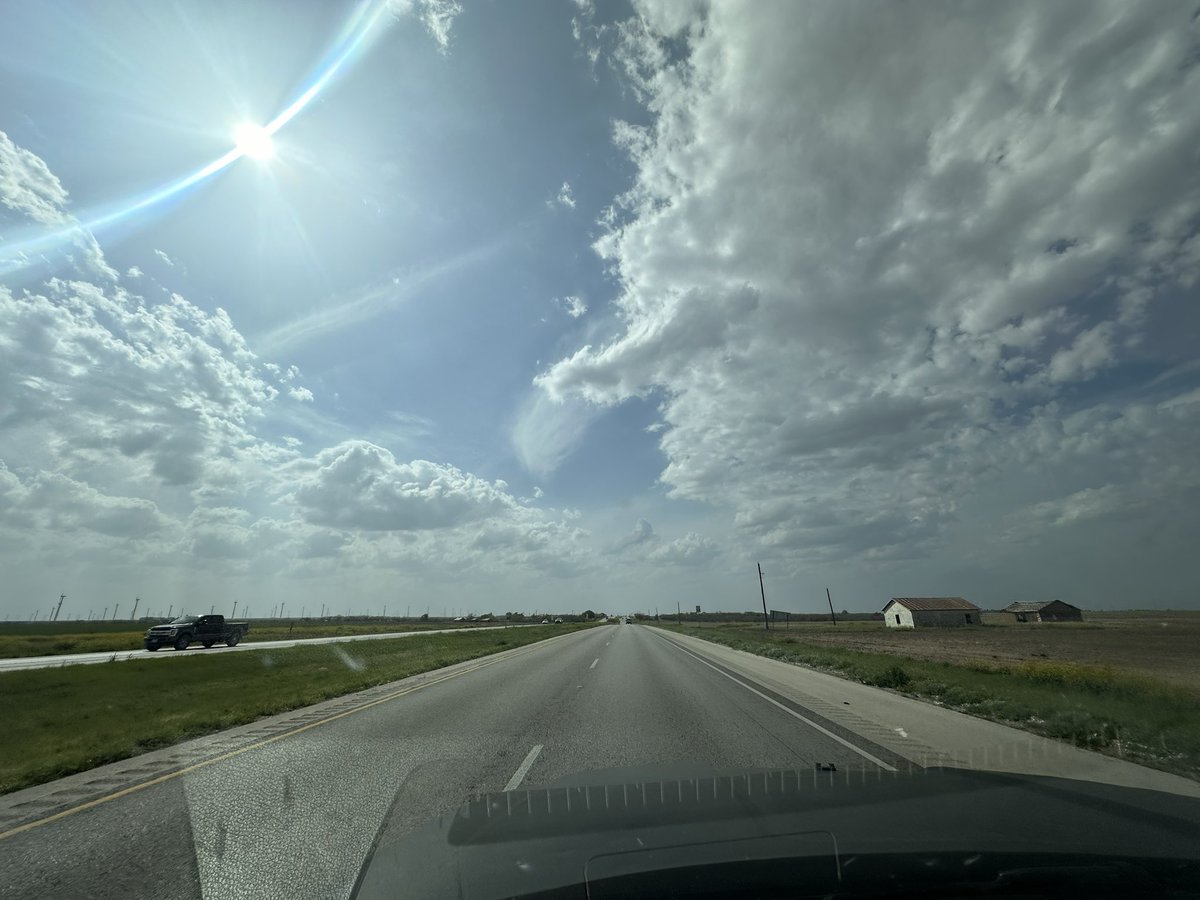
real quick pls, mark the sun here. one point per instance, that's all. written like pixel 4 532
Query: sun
pixel 254 141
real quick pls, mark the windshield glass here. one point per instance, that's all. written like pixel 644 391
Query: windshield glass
pixel 549 396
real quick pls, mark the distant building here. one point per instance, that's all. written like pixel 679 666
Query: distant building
pixel 911 612
pixel 1044 611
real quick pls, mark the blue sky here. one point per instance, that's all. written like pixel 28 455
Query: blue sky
pixel 561 305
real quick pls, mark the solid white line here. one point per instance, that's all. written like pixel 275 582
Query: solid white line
pixel 791 712
pixel 594 661
pixel 523 769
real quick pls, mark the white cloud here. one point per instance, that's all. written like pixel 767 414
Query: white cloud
pixel 573 306
pixel 436 15
pixel 564 198
pixel 359 485
pixel 303 394
pixel 645 545
pixel 860 264
pixel 133 272
pixel 547 431
pixel 163 256
pixel 28 187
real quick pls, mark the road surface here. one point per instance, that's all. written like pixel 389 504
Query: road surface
pixel 289 806
pixel 18 663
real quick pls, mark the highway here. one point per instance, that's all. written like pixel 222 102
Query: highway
pixel 289 806
pixel 18 663
pixel 295 817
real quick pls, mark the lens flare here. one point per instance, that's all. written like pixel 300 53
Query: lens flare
pixel 250 140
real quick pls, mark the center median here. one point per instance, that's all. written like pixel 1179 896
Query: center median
pixel 62 721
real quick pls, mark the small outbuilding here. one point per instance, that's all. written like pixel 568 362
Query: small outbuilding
pixel 937 612
pixel 1044 611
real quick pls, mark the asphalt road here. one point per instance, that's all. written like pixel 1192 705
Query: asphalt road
pixel 18 663
pixel 289 814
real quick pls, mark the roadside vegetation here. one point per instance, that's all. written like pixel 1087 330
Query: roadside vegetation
pixel 23 639
pixel 65 720
pixel 1118 712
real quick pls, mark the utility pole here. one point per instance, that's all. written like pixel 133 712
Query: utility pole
pixel 303 609
pixel 281 606
pixel 212 609
pixel 115 608
pixel 90 611
pixel 61 598
pixel 170 609
pixel 385 610
pixel 136 601
pixel 678 614
pixel 762 590
pixel 408 611
pixel 105 616
pixel 34 619
pixel 830 599
pixel 234 616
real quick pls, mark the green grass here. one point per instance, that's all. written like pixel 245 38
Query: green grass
pixel 65 720
pixel 1122 714
pixel 23 639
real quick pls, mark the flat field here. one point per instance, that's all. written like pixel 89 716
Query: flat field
pixel 1157 643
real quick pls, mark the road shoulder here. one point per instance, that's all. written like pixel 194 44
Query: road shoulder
pixel 926 734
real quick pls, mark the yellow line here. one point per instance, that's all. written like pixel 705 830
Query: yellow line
pixel 90 804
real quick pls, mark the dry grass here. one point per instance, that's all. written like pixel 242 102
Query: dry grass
pixel 1164 645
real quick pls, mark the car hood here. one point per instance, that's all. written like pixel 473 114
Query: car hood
pixel 630 829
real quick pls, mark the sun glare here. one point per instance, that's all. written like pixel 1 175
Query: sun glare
pixel 254 141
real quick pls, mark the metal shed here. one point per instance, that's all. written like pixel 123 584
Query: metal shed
pixel 1044 611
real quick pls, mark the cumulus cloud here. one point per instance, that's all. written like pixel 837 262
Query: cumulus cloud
pixel 645 545
pixel 131 432
pixel 27 185
pixel 873 255
pixel 359 485
pixel 163 256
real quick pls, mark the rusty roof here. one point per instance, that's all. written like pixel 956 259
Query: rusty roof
pixel 932 604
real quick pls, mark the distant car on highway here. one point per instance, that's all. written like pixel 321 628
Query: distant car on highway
pixel 187 630
pixel 558 620
pixel 545 621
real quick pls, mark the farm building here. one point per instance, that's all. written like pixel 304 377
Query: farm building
pixel 911 612
pixel 1044 611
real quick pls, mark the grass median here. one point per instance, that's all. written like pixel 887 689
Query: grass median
pixel 25 639
pixel 66 720
pixel 1123 714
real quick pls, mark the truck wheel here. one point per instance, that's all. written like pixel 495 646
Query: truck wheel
pixel 208 645
pixel 182 643
pixel 233 640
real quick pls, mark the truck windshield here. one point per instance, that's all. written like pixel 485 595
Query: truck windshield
pixel 184 620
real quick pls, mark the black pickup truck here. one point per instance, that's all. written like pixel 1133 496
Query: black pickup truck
pixel 206 630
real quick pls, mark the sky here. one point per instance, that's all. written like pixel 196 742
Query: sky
pixel 553 306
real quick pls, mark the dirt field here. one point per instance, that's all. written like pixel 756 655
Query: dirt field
pixel 1164 645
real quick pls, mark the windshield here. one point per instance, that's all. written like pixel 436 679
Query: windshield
pixel 551 396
